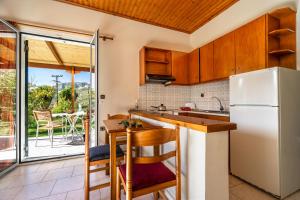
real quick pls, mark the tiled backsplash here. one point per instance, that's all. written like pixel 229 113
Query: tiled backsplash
pixel 176 96
pixel 218 89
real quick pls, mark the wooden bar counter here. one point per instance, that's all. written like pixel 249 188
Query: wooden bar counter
pixel 204 154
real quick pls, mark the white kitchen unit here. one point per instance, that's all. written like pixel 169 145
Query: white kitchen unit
pixel 204 161
pixel 265 148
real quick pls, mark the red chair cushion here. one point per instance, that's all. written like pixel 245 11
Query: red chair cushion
pixel 146 175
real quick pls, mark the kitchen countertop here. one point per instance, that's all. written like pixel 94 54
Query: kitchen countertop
pixel 200 124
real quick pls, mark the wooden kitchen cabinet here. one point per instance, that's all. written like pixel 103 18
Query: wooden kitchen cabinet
pixel 194 67
pixel 206 62
pixel 154 61
pixel 224 56
pixel 250 46
pixel 180 67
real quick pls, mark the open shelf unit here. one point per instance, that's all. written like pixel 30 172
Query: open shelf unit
pixel 281 34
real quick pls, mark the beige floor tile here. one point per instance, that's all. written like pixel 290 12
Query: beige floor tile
pixel 247 192
pixel 234 181
pixel 55 197
pixel 232 197
pixel 35 191
pixel 68 184
pixel 22 180
pixel 26 169
pixel 74 162
pixel 60 173
pixel 78 170
pixel 79 195
pixel 10 194
pixel 50 165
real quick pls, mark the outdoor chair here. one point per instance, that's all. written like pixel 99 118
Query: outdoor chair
pixel 44 121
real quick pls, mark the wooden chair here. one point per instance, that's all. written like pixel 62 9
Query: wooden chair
pixel 120 140
pixel 95 156
pixel 143 175
pixel 44 121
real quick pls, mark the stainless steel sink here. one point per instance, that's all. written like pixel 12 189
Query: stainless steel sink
pixel 212 111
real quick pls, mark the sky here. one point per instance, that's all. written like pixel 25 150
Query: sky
pixel 43 76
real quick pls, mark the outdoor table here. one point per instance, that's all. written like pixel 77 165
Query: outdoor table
pixel 114 129
pixel 71 119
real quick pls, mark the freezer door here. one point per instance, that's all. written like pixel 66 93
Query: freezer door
pixel 255 88
pixel 254 148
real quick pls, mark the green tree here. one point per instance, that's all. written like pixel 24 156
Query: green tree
pixel 39 98
pixel 64 101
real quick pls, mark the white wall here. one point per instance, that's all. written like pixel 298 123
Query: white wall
pixel 119 61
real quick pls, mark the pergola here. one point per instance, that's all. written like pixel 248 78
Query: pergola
pixel 58 55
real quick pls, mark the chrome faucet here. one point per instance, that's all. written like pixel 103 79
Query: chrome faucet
pixel 221 106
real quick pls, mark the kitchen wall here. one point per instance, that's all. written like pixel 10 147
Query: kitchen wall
pixel 176 96
pixel 119 59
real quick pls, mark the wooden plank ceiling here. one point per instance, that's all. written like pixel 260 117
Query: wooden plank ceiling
pixel 55 55
pixel 181 15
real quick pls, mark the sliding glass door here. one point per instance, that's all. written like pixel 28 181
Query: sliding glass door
pixel 8 96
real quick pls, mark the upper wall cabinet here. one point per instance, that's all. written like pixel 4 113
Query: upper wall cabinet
pixel 224 56
pixel 207 62
pixel 250 46
pixel 154 61
pixel 180 67
pixel 194 67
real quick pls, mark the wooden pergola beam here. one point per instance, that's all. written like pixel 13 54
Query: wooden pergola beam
pixel 55 66
pixel 54 52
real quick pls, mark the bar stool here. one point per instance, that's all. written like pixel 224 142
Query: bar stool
pixel 143 175
pixel 94 156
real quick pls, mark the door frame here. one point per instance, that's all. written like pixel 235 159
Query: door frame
pixel 18 97
pixel 95 39
pixel 23 87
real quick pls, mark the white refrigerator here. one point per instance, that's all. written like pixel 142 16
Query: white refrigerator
pixel 265 148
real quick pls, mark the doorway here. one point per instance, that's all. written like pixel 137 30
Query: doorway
pixel 8 96
pixel 59 86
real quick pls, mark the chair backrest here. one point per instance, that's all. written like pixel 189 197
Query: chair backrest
pixel 42 116
pixel 152 137
pixel 118 116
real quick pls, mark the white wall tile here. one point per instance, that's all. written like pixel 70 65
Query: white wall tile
pixel 176 96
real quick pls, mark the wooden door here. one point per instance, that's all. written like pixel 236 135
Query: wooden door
pixel 206 62
pixel 194 67
pixel 180 67
pixel 224 56
pixel 250 46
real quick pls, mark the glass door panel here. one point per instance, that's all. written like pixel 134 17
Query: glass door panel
pixel 93 109
pixel 8 95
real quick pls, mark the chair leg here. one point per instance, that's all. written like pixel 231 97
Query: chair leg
pixel 178 192
pixel 155 195
pixel 36 135
pixel 52 133
pixel 87 182
pixel 118 186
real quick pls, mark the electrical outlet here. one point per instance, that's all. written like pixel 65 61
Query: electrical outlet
pixel 102 128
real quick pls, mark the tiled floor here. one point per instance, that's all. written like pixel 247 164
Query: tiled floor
pixel 63 180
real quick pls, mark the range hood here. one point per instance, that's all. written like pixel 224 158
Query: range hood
pixel 162 79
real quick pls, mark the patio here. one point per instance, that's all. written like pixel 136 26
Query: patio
pixel 61 147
